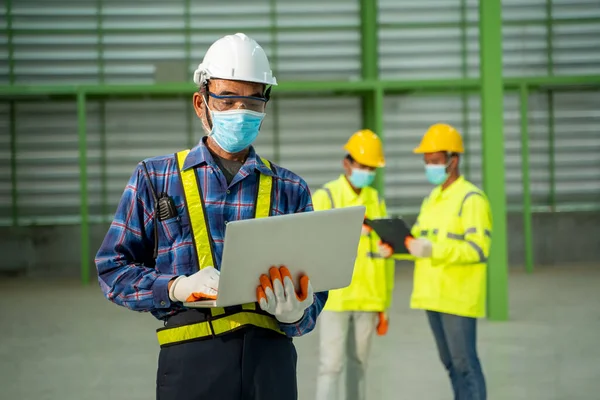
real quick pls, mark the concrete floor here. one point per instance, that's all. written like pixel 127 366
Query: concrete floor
pixel 62 341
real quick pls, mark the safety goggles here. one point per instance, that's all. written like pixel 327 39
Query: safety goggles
pixel 229 102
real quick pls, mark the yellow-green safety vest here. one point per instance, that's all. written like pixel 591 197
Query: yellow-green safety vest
pixel 373 277
pixel 458 222
pixel 221 321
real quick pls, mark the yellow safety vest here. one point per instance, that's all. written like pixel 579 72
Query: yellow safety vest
pixel 373 277
pixel 458 222
pixel 222 321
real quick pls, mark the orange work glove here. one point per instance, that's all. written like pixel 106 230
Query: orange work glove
pixel 383 324
pixel 366 230
pixel 277 295
pixel 202 285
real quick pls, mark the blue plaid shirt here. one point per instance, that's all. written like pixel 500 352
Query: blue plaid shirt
pixel 128 274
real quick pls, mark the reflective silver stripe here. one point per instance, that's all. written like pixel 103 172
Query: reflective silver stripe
pixel 465 199
pixel 328 191
pixel 373 255
pixel 486 232
pixel 474 245
pixel 478 250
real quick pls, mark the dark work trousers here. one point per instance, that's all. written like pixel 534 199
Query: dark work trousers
pixel 250 364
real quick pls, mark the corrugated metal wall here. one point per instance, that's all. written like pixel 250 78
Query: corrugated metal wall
pixel 60 42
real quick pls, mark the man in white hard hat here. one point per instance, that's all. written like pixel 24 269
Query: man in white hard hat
pixel 164 250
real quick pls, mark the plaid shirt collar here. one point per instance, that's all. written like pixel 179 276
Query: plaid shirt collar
pixel 200 155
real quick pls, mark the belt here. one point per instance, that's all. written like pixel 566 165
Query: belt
pixel 199 324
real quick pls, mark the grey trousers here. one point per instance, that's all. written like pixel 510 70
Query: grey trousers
pixel 345 340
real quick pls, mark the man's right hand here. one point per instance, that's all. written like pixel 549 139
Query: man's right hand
pixel 385 250
pixel 366 230
pixel 203 285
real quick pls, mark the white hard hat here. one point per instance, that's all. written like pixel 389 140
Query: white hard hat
pixel 235 57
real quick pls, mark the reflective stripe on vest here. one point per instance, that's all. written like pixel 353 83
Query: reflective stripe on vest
pixel 369 254
pixel 215 327
pixel 221 321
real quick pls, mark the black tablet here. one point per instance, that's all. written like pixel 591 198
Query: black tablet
pixel 392 231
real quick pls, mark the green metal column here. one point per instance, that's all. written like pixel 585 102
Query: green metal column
pixel 190 115
pixel 104 209
pixel 274 61
pixel 527 225
pixel 372 102
pixel 12 118
pixel 551 131
pixel 83 187
pixel 492 107
pixel 465 164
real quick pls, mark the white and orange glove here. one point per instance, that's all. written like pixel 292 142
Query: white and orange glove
pixel 366 230
pixel 277 295
pixel 421 247
pixel 382 324
pixel 203 285
pixel 385 250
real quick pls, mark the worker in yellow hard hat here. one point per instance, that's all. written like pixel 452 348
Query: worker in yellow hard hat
pixel 451 242
pixel 362 305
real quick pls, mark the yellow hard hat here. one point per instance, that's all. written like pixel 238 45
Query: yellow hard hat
pixel 365 148
pixel 440 137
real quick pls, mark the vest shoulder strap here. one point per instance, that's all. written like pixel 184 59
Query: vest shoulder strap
pixel 264 192
pixel 330 195
pixel 194 202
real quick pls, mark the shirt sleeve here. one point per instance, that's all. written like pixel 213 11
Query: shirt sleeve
pixel 125 261
pixel 307 323
pixel 472 246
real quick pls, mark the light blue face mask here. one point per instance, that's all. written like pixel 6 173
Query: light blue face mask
pixel 235 130
pixel 436 174
pixel 360 178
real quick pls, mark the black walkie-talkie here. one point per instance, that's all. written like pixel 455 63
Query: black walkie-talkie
pixel 164 208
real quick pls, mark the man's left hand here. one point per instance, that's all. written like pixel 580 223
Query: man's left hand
pixel 382 323
pixel 420 247
pixel 277 295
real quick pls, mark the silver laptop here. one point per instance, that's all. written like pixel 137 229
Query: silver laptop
pixel 321 244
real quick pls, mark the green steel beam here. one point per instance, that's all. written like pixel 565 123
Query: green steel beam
pixel 12 119
pixel 296 29
pixel 372 100
pixel 492 122
pixel 13 164
pixel 9 37
pixel 464 74
pixel 189 110
pixel 274 60
pixel 83 187
pixel 404 211
pixel 551 151
pixel 102 113
pixel 369 42
pixel 549 38
pixel 527 222
pixel 307 87
pixel 167 31
pixel 378 126
pixel 550 98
